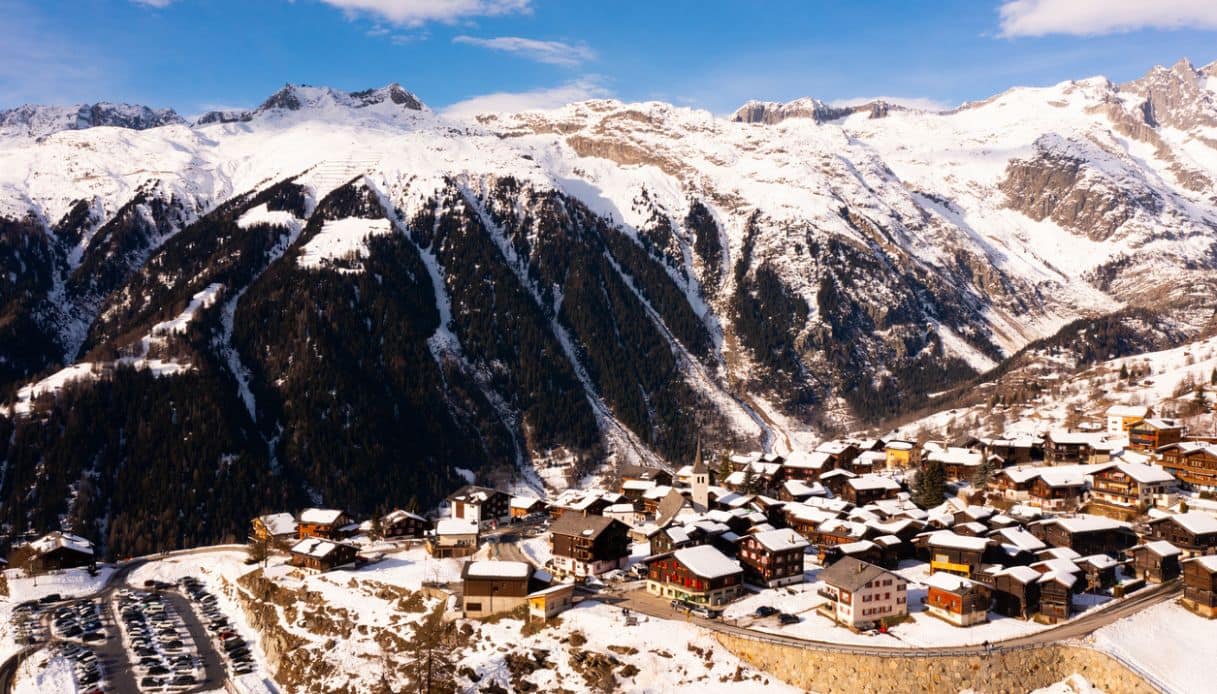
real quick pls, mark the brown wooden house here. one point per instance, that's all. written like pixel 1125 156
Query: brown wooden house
pixel 1016 592
pixel 496 587
pixel 1200 585
pixel 320 554
pixel 399 523
pixel 773 557
pixel 1193 463
pixel 588 545
pixel 700 574
pixel 957 554
pixel 1086 534
pixel 52 552
pixel 866 489
pixel 278 529
pixel 957 600
pixel 328 523
pixel 1194 531
pixel 1156 562
pixel 1151 434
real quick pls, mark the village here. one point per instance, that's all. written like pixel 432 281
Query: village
pixel 839 545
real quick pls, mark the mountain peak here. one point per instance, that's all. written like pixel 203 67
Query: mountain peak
pixel 37 120
pixel 296 97
pixel 772 112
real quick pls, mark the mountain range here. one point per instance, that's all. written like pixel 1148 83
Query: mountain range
pixel 346 298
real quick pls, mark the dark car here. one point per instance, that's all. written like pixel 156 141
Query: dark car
pixel 94 636
pixel 150 682
pixel 765 611
pixel 158 670
pixel 181 680
pixel 73 631
pixel 786 618
pixel 53 597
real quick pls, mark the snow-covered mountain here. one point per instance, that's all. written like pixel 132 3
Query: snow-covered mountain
pixel 394 294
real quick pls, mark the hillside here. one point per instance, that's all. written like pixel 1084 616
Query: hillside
pixel 348 298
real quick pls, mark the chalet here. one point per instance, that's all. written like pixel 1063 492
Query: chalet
pixel 840 453
pixel 1065 447
pixel 807 466
pixel 1057 489
pixel 588 545
pixel 547 603
pixel 399 523
pixel 701 575
pixel 1150 434
pixel 773 557
pixel 642 473
pixel 320 554
pixel 1015 483
pixel 327 523
pixel 480 505
pixel 870 488
pixel 798 490
pixel 754 477
pixel 1130 485
pixel 1019 538
pixel 1156 561
pixel 1086 534
pixel 625 512
pixel 637 489
pixel 957 600
pixel 278 529
pixel 1194 532
pixel 973 513
pixel 676 537
pixel 1057 587
pixel 862 595
pixel 525 506
pixel 1098 571
pixel 1200 585
pixel 1016 592
pixel 958 463
pixel 835 481
pixel 1122 418
pixel 838 532
pixel 868 462
pixel 957 554
pixel 862 550
pixel 495 587
pixel 54 551
pixel 453 537
pixel 1194 463
pixel 898 454
pixel 1011 451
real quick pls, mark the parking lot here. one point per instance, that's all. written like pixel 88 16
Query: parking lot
pixel 162 652
pixel 219 629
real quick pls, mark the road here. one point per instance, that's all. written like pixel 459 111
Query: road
pixel 214 672
pixel 645 603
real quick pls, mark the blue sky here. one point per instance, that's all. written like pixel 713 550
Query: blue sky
pixel 199 54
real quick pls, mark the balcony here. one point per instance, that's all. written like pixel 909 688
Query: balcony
pixel 825 593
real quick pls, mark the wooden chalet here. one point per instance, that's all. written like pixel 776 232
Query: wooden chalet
pixel 958 463
pixel 496 587
pixel 700 575
pixel 453 537
pixel 1057 490
pixel 1056 593
pixel 1016 592
pixel 52 552
pixel 278 529
pixel 961 555
pixel 400 523
pixel 320 554
pixel 1072 447
pixel 642 473
pixel 1200 585
pixel 1148 435
pixel 1098 571
pixel 1194 532
pixel 588 545
pixel 835 481
pixel 525 506
pixel 480 505
pixel 957 600
pixel 772 557
pixel 1130 485
pixel 1156 562
pixel 1194 463
pixel 1015 451
pixel 328 523
pixel 676 537
pixel 867 489
pixel 840 453
pixel 1086 534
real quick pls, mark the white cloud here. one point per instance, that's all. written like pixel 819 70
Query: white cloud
pixel 1092 17
pixel 511 102
pixel 413 13
pixel 153 3
pixel 551 52
pixel 917 102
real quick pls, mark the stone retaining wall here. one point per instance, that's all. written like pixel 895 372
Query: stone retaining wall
pixel 1011 672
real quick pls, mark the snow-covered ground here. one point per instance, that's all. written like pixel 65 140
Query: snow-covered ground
pixel 341 238
pixel 1074 684
pixel 45 673
pixel 1170 644
pixel 68 583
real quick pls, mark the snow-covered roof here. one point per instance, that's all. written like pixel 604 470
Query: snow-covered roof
pixel 1088 524
pixel 315 547
pixel 1162 548
pixel 278 523
pixel 638 484
pixel 1062 477
pixel 1099 561
pixel 899 445
pixel 487 568
pixel 807 461
pixel 835 447
pixel 707 562
pixel 873 482
pixel 455 526
pixel 946 538
pixel 1208 561
pixel 320 516
pixel 1021 474
pixel 1057 565
pixel 1145 474
pixel 957 456
pixel 856 547
pixel 781 540
pixel 1020 538
pixel 1059 553
pixel 1081 438
pixel 948 582
pixel 1022 574
pixel 524 502
pixel 1196 522
pixel 56 539
pixel 1139 411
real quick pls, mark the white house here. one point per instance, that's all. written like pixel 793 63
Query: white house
pixel 861 595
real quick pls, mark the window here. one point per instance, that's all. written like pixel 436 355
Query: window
pixel 473 607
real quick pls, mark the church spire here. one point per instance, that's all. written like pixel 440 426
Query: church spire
pixel 699 464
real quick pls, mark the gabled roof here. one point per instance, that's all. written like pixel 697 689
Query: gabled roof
pixel 781 540
pixel 946 538
pixel 1162 548
pixel 575 525
pixel 670 506
pixel 1020 538
pixel 455 526
pixel 316 547
pixel 873 482
pixel 949 582
pixel 473 494
pixel 278 523
pixel 320 516
pixel 1145 474
pixel 850 574
pixel 1138 411
pixel 1208 561
pixel 55 540
pixel 707 562
pixel 1022 574
pixel 487 568
pixel 1194 522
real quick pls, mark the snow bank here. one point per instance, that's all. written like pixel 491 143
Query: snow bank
pixel 341 238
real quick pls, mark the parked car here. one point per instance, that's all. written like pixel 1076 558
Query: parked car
pixel 787 618
pixel 765 611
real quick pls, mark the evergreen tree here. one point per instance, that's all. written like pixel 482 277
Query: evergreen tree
pixel 929 488
pixel 258 549
pixel 1124 372
pixel 432 668
pixel 984 473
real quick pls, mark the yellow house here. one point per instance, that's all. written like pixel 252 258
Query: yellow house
pixel 899 454
pixel 545 604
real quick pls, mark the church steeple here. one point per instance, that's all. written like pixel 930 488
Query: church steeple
pixel 699 465
pixel 701 481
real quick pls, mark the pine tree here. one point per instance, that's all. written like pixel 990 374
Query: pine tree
pixel 432 668
pixel 724 469
pixel 258 549
pixel 1124 372
pixel 984 473
pixel 930 487
pixel 378 525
